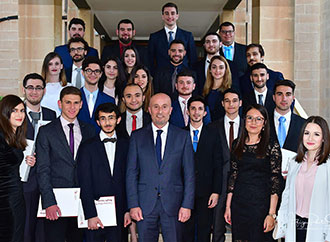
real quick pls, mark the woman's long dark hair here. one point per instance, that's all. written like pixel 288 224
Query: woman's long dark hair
pixel 264 134
pixel 137 57
pixel 323 153
pixel 14 139
pixel 45 68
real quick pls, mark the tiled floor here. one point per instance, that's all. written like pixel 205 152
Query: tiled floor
pixel 228 238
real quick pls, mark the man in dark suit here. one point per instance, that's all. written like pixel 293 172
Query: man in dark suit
pixel 76 29
pixel 208 170
pixel 125 33
pixel 260 94
pixel 160 41
pixel 185 86
pixel 33 90
pixel 160 179
pixel 134 117
pixel 92 97
pixel 232 50
pixel 285 126
pixel 56 147
pixel 255 54
pixel 228 128
pixel 102 172
pixel 77 48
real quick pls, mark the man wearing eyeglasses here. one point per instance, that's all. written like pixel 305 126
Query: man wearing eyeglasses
pixel 232 50
pixel 92 97
pixel 33 90
pixel 78 50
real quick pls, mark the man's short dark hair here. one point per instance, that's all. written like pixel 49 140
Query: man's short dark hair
pixel 91 60
pixel 170 5
pixel 209 34
pixel 33 76
pixel 177 41
pixel 77 21
pixel 125 21
pixel 225 24
pixel 231 90
pixel 258 66
pixel 186 72
pixel 285 82
pixel 132 85
pixel 196 99
pixel 261 49
pixel 78 40
pixel 70 90
pixel 106 108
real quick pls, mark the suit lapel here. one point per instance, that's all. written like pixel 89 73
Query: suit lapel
pixel 150 145
pixel 170 140
pixel 164 38
pixel 103 155
pixel 62 138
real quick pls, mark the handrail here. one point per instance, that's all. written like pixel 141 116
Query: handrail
pixel 299 109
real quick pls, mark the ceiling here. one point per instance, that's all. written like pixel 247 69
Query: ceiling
pixel 195 16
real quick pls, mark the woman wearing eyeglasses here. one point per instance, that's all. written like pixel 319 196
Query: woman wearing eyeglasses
pixel 254 181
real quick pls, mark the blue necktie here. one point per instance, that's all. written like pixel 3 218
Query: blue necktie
pixel 159 147
pixel 228 54
pixel 260 101
pixel 170 38
pixel 281 134
pixel 195 139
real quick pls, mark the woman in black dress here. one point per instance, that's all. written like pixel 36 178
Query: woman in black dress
pixel 12 144
pixel 255 179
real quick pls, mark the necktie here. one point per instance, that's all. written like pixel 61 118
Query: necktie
pixel 228 54
pixel 281 134
pixel 231 133
pixel 90 104
pixel 260 99
pixel 185 113
pixel 78 77
pixel 112 140
pixel 133 122
pixel 195 139
pixel 170 38
pixel 159 147
pixel 175 72
pixel 35 116
pixel 71 139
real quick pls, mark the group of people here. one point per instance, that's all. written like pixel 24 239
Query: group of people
pixel 185 145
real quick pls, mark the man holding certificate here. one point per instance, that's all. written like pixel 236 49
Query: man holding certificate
pixel 101 173
pixel 56 147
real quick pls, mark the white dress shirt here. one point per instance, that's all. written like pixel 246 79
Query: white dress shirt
pixel 182 106
pixel 167 30
pixel 192 129
pixel 74 76
pixel 76 133
pixel 129 121
pixel 227 126
pixel 51 97
pixel 163 136
pixel 264 94
pixel 286 123
pixel 110 149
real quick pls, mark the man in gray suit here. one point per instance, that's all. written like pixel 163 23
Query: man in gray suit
pixel 56 147
pixel 160 179
pixel 228 127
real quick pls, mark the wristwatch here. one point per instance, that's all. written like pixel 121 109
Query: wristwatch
pixel 272 215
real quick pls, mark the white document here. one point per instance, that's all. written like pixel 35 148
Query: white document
pixel 287 155
pixel 67 200
pixel 24 169
pixel 106 212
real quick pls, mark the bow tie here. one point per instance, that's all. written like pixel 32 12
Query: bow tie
pixel 112 140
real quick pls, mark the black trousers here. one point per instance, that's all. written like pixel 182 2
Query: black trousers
pixel 301 228
pixel 63 230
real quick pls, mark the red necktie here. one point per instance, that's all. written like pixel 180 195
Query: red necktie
pixel 134 122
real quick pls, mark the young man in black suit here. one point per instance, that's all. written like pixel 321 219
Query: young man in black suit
pixel 33 90
pixel 102 172
pixel 208 170
pixel 228 128
pixel 56 149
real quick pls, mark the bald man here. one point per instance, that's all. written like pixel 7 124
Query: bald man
pixel 160 182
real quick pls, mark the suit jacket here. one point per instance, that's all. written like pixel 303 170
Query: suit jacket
pixel 158 48
pixel 177 116
pixel 240 58
pixel 246 85
pixel 84 112
pixel 174 180
pixel 208 163
pixel 48 115
pixel 250 99
pixel 95 177
pixel 121 128
pixel 56 167
pixel 63 51
pixel 291 141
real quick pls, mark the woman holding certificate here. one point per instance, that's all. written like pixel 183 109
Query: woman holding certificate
pixel 12 144
pixel 304 214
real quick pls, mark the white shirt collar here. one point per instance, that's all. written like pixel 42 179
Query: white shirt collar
pixel 236 120
pixel 138 114
pixel 164 128
pixel 105 136
pixel 167 30
pixel 277 115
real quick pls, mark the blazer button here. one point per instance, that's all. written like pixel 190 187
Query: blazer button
pixel 156 188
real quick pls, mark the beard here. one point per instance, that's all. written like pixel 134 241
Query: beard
pixel 134 109
pixel 176 62
pixel 78 58
pixel 125 41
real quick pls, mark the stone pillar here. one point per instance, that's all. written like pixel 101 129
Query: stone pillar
pixel 88 17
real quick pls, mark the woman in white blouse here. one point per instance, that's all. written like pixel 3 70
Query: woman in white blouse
pixel 304 214
pixel 54 74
